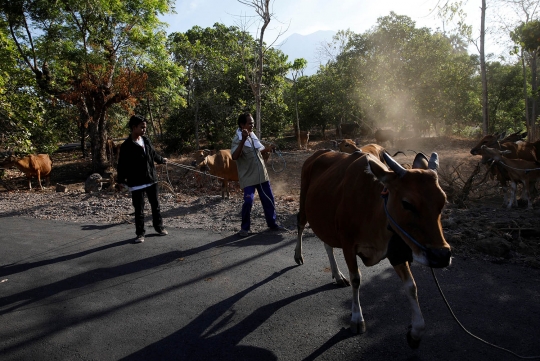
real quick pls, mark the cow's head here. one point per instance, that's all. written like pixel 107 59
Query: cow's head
pixel 200 158
pixel 348 146
pixel 414 205
pixel 489 140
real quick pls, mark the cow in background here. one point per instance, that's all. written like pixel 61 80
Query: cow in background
pixel 113 151
pixel 303 144
pixel 384 135
pixel 517 171
pixel 32 166
pixel 220 165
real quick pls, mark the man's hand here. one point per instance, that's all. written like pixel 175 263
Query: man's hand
pixel 245 134
pixel 165 160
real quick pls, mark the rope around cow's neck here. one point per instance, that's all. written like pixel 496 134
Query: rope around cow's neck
pixel 514 168
pixel 189 168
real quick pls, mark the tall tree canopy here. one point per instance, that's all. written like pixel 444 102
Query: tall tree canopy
pixel 90 54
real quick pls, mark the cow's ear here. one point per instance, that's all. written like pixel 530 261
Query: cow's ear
pixel 420 161
pixel 379 170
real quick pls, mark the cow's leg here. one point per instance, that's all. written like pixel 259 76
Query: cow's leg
pixel 512 200
pixel 526 193
pixel 336 273
pixel 39 179
pixel 300 225
pixel 225 189
pixel 358 325
pixel 417 323
pixel 506 193
pixel 29 182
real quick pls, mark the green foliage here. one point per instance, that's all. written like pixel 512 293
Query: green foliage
pixel 394 75
pixel 216 88
pixel 91 55
pixel 506 101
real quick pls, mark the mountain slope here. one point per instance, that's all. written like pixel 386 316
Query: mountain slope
pixel 305 46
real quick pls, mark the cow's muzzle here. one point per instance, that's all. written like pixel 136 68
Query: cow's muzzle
pixel 438 257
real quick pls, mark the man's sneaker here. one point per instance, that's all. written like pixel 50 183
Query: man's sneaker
pixel 162 232
pixel 139 239
pixel 243 233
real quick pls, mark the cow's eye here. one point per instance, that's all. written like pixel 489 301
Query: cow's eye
pixel 408 206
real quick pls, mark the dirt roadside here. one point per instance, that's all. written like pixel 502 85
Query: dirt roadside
pixel 479 228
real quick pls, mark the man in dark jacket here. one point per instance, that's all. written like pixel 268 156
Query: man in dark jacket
pixel 136 170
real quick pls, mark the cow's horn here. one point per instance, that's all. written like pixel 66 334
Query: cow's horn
pixel 433 163
pixel 395 166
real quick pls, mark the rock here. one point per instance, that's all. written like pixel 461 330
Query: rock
pixel 494 246
pixel 61 188
pixel 449 223
pixel 532 262
pixel 93 183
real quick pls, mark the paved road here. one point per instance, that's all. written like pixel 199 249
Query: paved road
pixel 86 292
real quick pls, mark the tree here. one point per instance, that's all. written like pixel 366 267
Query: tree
pixel 516 13
pixel 527 35
pixel 89 54
pixel 216 86
pixel 397 75
pixel 297 70
pixel 485 101
pixel 254 71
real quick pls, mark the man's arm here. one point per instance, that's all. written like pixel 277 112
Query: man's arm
pixel 238 151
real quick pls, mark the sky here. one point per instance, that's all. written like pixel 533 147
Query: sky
pixel 307 16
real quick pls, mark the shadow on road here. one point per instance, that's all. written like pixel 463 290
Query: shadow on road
pixel 201 339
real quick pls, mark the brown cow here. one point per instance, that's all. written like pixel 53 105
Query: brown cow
pixel 340 197
pixel 384 135
pixel 519 150
pixel 350 129
pixel 32 166
pixel 113 151
pixel 349 146
pixel 304 139
pixel 220 165
pixel 517 170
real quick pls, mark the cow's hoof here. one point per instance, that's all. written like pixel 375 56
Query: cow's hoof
pixel 299 260
pixel 412 342
pixel 358 328
pixel 343 282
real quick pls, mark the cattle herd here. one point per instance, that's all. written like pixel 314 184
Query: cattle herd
pixel 361 200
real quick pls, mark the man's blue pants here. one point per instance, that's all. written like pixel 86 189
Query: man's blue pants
pixel 267 199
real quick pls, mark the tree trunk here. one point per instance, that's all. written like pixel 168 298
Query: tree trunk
pixel 82 134
pixel 196 120
pixel 297 117
pixel 525 97
pixel 485 112
pixel 151 118
pixel 534 86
